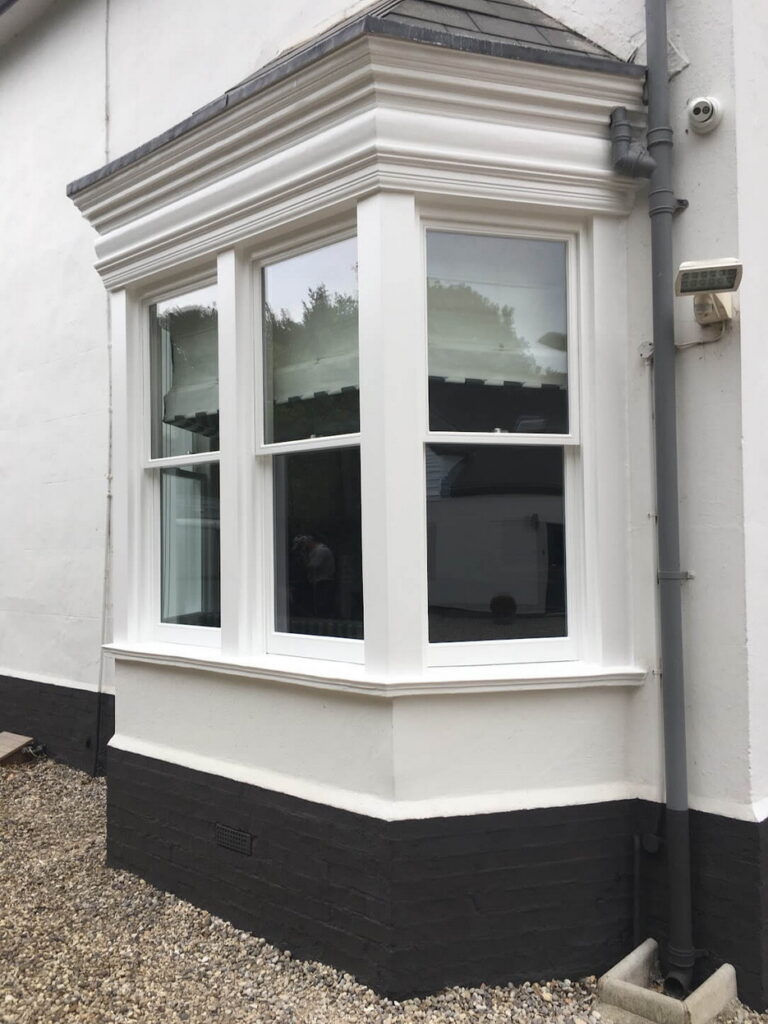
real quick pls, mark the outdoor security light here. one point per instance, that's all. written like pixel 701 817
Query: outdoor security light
pixel 706 281
pixel 704 276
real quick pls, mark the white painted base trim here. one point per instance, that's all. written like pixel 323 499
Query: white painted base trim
pixel 434 807
pixel 760 810
pixel 752 812
pixel 34 677
pixel 352 678
pixel 375 806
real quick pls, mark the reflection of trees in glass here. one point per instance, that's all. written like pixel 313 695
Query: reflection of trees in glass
pixel 167 318
pixel 191 330
pixel 314 366
pixel 461 319
pixel 188 372
pixel 182 322
pixel 328 327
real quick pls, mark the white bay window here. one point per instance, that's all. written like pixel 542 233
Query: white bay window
pixel 374 407
pixel 460 471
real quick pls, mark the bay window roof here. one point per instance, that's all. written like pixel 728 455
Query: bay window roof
pixel 510 29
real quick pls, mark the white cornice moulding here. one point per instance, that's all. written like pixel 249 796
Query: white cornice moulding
pixel 378 114
pixel 350 678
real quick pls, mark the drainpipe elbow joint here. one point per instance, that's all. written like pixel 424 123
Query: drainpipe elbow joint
pixel 629 157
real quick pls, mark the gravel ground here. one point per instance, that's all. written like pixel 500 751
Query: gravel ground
pixel 80 942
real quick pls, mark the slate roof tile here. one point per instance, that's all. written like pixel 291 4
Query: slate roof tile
pixel 446 15
pixel 509 20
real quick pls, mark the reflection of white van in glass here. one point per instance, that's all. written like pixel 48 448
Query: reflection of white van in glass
pixel 495 547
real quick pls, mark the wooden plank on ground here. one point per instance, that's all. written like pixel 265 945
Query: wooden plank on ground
pixel 12 747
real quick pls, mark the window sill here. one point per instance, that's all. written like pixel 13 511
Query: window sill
pixel 351 678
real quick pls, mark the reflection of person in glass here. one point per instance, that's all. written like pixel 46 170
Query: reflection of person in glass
pixel 320 571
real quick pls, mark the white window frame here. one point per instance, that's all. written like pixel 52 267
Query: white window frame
pixel 396 637
pixel 526 650
pixel 276 642
pixel 150 573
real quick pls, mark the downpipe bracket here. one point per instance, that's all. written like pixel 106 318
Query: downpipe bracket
pixel 680 575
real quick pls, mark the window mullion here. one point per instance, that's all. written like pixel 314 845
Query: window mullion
pixel 128 568
pixel 393 417
pixel 238 510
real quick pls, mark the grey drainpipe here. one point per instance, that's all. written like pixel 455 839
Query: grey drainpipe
pixel 657 164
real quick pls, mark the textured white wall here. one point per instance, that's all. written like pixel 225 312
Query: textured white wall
pixel 618 25
pixel 319 745
pixel 53 384
pixel 414 757
pixel 709 404
pixel 750 43
pixel 709 423
pixel 163 63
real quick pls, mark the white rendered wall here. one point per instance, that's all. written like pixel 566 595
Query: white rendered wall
pixel 513 749
pixel 170 57
pixel 709 426
pixel 720 715
pixel 54 380
pixel 750 41
pixel 411 757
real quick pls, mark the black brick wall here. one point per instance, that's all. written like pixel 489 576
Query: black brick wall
pixel 507 897
pixel 408 907
pixel 63 719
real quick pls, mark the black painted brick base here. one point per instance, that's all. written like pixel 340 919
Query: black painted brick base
pixel 408 907
pixel 61 718
pixel 412 906
pixel 729 866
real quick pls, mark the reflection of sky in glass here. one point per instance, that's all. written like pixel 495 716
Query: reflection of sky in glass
pixel 199 297
pixel 526 274
pixel 288 282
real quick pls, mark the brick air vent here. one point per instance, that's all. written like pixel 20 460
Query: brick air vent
pixel 234 839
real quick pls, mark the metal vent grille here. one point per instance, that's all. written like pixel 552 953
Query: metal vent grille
pixel 234 839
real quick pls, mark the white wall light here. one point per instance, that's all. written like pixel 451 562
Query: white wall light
pixel 710 282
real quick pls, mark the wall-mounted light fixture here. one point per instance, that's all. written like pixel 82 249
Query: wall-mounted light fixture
pixel 710 282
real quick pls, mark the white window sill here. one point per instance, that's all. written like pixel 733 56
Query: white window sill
pixel 351 678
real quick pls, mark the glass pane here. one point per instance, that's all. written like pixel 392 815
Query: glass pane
pixel 318 553
pixel 184 369
pixel 495 542
pixel 497 334
pixel 190 573
pixel 310 344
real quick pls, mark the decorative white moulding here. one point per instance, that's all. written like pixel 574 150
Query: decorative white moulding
pixel 376 114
